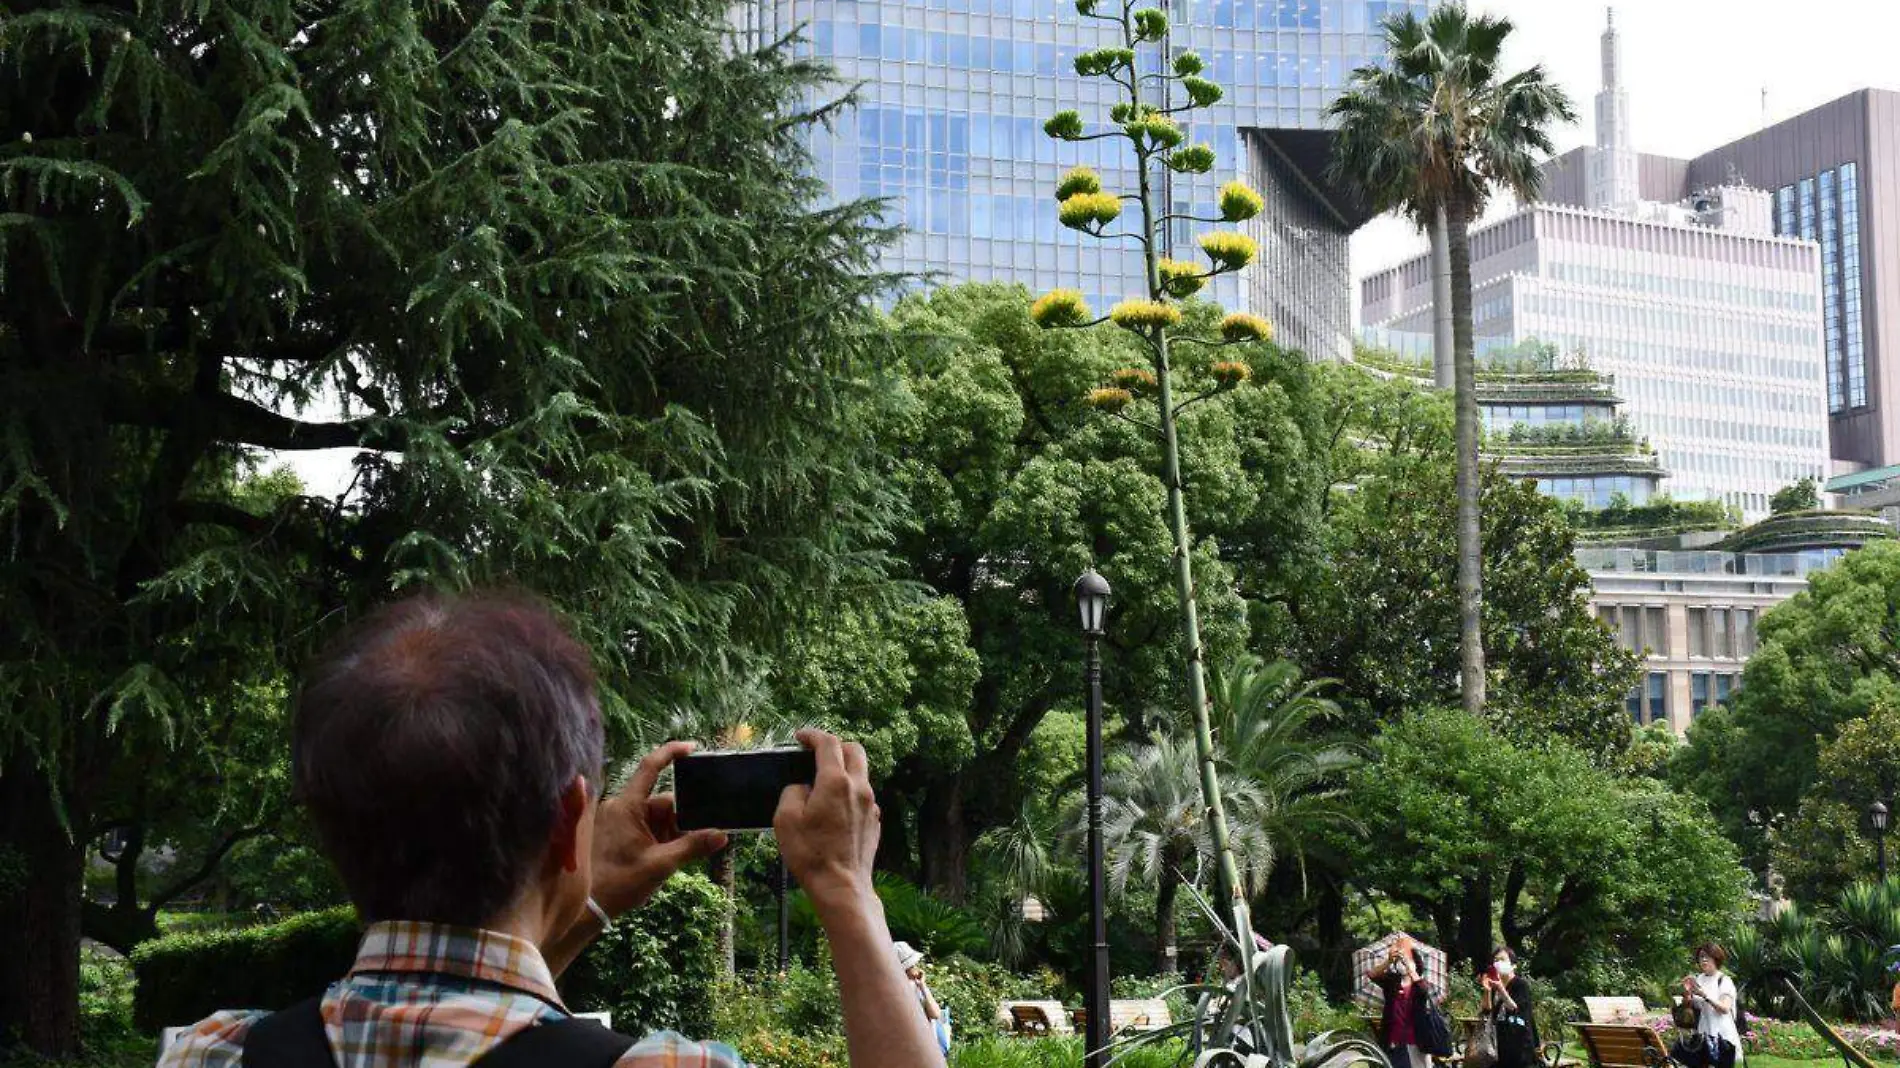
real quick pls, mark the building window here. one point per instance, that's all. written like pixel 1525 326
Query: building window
pixel 1698 694
pixel 1720 643
pixel 1656 630
pixel 1658 697
pixel 1724 686
pixel 1744 632
pixel 1831 316
pixel 1698 632
pixel 1633 704
pixel 1855 346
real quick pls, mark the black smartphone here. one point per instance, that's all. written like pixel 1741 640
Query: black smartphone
pixel 738 790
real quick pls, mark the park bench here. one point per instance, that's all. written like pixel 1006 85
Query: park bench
pixel 1622 1045
pixel 1138 1014
pixel 1615 1010
pixel 1036 1018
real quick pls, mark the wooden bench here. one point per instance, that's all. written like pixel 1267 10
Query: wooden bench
pixel 1138 1014
pixel 1035 1018
pixel 1615 1010
pixel 1623 1045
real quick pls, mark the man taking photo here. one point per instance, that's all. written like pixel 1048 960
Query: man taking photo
pixel 450 753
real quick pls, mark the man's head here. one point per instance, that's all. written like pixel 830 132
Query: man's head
pixel 449 750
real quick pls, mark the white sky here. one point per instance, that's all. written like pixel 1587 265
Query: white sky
pixel 1694 69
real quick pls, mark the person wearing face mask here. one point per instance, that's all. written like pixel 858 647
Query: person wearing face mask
pixel 1506 999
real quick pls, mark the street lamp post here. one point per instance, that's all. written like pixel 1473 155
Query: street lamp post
pixel 1091 597
pixel 1877 814
pixel 784 915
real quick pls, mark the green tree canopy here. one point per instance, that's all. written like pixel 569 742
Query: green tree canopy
pixel 1383 616
pixel 1825 657
pixel 554 271
pixel 1600 879
pixel 1829 842
pixel 1014 486
pixel 1799 496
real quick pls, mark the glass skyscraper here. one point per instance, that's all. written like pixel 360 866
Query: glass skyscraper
pixel 949 128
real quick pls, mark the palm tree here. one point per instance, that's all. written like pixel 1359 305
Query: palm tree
pixel 1267 722
pixel 1440 129
pixel 1156 831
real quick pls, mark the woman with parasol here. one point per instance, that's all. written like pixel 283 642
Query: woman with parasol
pixel 1400 976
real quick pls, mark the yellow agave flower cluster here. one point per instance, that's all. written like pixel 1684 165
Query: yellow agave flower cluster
pixel 1229 250
pixel 1238 202
pixel 1109 399
pixel 1243 327
pixel 1082 203
pixel 1134 380
pixel 1085 210
pixel 1230 373
pixel 1181 278
pixel 1144 314
pixel 1060 307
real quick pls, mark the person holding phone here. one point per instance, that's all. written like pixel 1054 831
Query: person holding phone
pixel 1506 1000
pixel 1718 1041
pixel 1400 976
pixel 449 751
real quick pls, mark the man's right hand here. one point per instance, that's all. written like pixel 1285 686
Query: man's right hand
pixel 828 831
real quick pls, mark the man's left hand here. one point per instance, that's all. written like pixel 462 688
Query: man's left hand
pixel 637 841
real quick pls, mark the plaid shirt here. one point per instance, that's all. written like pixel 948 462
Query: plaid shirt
pixel 427 995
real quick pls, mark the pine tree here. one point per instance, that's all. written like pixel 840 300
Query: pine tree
pixel 555 264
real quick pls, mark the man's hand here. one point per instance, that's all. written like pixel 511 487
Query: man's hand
pixel 828 831
pixel 637 841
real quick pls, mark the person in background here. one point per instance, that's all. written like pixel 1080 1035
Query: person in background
pixel 450 754
pixel 1712 992
pixel 1506 999
pixel 912 962
pixel 1400 975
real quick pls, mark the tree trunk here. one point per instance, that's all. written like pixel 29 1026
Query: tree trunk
pixel 893 840
pixel 1166 952
pixel 1443 374
pixel 41 880
pixel 719 868
pixel 1474 923
pixel 943 844
pixel 1471 679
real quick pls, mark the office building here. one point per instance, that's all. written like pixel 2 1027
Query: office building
pixel 1707 320
pixel 949 126
pixel 1833 174
pixel 1693 613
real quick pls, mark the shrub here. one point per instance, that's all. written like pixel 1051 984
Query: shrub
pixel 1312 1011
pixel 659 967
pixel 767 1050
pixel 185 977
pixel 656 970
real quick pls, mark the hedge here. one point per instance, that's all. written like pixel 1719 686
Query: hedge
pixel 656 970
pixel 183 978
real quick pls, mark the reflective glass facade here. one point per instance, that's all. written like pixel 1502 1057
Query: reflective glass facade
pixel 949 129
pixel 1833 197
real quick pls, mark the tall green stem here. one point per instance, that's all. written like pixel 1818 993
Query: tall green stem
pixel 1226 871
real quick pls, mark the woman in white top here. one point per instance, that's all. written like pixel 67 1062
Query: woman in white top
pixel 1713 993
